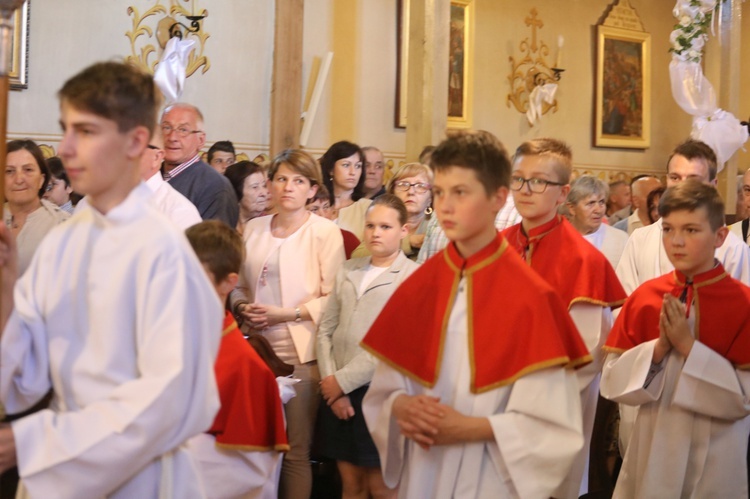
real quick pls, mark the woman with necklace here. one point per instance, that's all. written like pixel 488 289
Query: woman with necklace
pixel 343 175
pixel 290 267
pixel 28 215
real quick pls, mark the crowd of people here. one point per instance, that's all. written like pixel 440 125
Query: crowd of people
pixel 481 324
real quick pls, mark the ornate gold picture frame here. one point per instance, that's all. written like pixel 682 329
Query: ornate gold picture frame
pixel 19 69
pixel 623 89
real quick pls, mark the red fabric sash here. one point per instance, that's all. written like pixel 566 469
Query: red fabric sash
pixel 251 416
pixel 721 308
pixel 516 322
pixel 570 264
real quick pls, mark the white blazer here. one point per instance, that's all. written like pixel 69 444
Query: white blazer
pixel 309 260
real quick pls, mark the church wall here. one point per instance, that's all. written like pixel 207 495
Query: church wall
pixel 359 97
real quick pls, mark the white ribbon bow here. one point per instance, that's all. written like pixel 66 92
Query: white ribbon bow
pixel 540 93
pixel 171 72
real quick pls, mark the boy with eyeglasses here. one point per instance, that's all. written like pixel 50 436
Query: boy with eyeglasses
pixel 680 353
pixel 474 395
pixel 580 274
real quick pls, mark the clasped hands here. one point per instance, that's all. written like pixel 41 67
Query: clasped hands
pixel 262 316
pixel 425 420
pixel 674 331
pixel 335 398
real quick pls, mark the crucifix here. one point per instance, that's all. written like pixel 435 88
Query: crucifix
pixel 534 23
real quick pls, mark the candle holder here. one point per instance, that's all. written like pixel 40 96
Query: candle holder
pixel 531 69
pixel 195 26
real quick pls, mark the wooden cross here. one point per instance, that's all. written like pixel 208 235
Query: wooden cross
pixel 534 23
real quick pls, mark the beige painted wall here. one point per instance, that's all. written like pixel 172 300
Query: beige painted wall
pixel 358 101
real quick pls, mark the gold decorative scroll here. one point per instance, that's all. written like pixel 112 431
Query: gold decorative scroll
pixel 531 70
pixel 142 25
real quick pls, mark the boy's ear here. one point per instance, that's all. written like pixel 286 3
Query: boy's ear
pixel 228 283
pixel 721 235
pixel 138 139
pixel 564 191
pixel 500 196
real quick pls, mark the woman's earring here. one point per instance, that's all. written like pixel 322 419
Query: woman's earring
pixel 428 211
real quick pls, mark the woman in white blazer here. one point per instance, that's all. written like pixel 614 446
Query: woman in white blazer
pixel 290 266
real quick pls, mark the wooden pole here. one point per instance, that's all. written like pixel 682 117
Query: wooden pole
pixel 286 83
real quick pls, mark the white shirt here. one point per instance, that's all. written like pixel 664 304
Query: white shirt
pixel 117 317
pixel 174 205
pixel 610 241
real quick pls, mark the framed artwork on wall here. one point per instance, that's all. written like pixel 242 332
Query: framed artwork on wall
pixel 19 60
pixel 623 89
pixel 460 60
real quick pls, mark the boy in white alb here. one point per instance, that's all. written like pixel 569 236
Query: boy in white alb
pixel 680 352
pixel 111 316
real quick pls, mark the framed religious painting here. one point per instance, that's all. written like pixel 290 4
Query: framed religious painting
pixel 460 63
pixel 623 89
pixel 19 57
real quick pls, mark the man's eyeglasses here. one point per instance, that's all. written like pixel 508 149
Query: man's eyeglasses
pixel 536 185
pixel 419 187
pixel 182 131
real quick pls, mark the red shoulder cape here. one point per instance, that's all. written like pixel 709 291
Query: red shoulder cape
pixel 517 324
pixel 722 314
pixel 251 416
pixel 570 264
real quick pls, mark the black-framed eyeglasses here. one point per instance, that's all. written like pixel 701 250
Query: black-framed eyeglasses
pixel 419 187
pixel 182 131
pixel 536 185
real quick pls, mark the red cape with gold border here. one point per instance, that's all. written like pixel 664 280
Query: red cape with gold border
pixel 251 417
pixel 570 264
pixel 722 314
pixel 516 322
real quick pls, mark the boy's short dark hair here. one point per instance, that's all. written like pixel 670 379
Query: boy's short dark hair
pixel 57 170
pixel 695 149
pixel 220 146
pixel 475 150
pixel 218 247
pixel 115 91
pixel 691 194
pixel 554 149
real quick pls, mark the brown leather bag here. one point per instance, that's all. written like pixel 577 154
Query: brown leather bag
pixel 263 348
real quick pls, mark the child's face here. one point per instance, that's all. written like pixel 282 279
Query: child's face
pixel 383 231
pixel 465 210
pixel 690 242
pixel 100 161
pixel 57 192
pixel 537 208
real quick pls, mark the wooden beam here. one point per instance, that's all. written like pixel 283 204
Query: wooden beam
pixel 427 96
pixel 286 83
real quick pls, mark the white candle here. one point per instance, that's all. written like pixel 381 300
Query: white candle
pixel 309 116
pixel 560 41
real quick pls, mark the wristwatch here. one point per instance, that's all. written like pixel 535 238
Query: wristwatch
pixel 297 315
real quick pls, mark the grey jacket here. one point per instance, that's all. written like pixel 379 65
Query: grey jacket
pixel 347 319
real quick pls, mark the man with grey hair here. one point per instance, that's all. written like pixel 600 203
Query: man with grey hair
pixel 640 188
pixel 374 170
pixel 208 190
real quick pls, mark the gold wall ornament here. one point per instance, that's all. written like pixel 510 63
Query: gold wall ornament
pixel 142 25
pixel 532 70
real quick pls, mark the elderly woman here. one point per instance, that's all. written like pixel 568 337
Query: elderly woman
pixel 412 183
pixel 343 175
pixel 587 204
pixel 249 183
pixel 290 267
pixel 28 215
pixel 363 286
